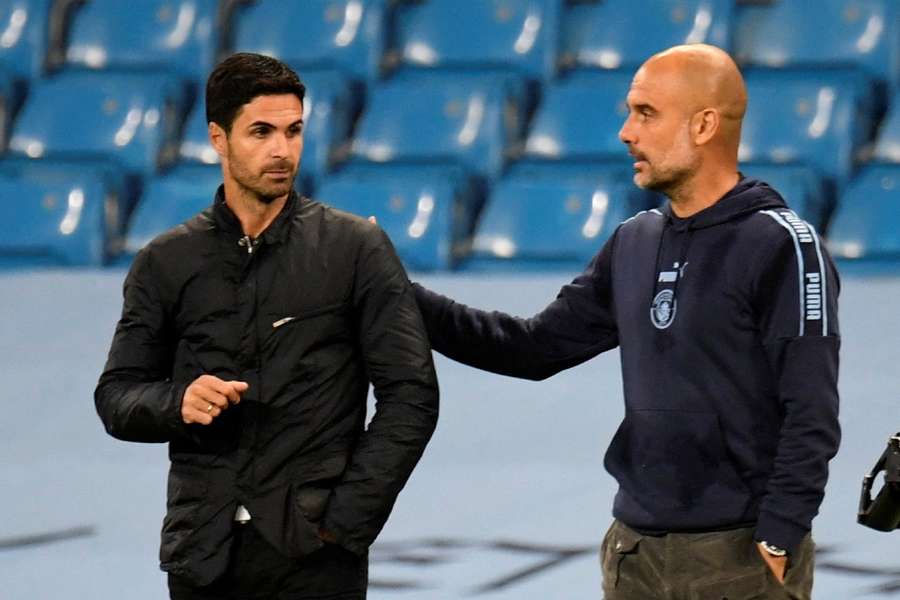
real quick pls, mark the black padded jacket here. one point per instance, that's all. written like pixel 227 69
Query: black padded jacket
pixel 308 314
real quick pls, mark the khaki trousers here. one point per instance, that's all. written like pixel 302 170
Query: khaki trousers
pixel 721 565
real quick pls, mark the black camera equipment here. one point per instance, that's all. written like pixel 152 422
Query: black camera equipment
pixel 883 513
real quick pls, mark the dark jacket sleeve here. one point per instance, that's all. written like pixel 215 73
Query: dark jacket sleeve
pixel 398 362
pixel 575 327
pixel 135 398
pixel 798 311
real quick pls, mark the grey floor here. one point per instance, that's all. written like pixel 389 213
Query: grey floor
pixel 510 501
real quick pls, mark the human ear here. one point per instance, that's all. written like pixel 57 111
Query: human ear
pixel 704 125
pixel 218 138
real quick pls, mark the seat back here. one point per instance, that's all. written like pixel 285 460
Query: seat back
pixel 781 33
pixel 169 200
pixel 349 35
pixel 817 118
pixel 518 35
pixel 128 117
pixel 866 222
pixel 174 35
pixel 580 118
pixel 427 213
pixel 615 34
pixel 54 220
pixel 23 36
pixel 435 118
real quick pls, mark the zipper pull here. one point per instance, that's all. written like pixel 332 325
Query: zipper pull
pixel 246 241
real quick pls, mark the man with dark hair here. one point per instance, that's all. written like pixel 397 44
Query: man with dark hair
pixel 724 307
pixel 248 339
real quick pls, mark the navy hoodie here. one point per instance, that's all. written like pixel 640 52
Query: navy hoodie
pixel 728 329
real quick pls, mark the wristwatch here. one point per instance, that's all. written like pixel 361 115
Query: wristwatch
pixel 772 549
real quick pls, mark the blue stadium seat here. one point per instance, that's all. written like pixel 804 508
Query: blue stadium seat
pixel 561 217
pixel 428 212
pixel 173 35
pixel 171 199
pixel 580 118
pixel 328 112
pixel 130 118
pixel 835 32
pixel 887 145
pixel 615 34
pixel 56 218
pixel 800 187
pixel 441 118
pixel 195 146
pixel 349 35
pixel 24 36
pixel 866 223
pixel 516 35
pixel 816 118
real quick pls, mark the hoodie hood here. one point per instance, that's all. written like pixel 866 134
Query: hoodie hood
pixel 748 196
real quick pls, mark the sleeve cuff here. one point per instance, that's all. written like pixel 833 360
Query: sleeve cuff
pixel 779 532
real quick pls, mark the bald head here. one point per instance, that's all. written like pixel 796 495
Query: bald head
pixel 685 108
pixel 702 76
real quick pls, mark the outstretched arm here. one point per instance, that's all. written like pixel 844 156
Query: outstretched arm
pixel 576 326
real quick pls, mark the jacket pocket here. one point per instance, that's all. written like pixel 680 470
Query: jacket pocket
pixel 747 586
pixel 676 460
pixel 280 322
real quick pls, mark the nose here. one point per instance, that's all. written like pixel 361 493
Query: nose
pixel 626 135
pixel 279 148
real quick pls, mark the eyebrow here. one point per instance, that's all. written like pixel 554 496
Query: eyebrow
pixel 270 126
pixel 643 106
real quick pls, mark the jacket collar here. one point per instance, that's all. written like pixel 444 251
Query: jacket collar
pixel 225 220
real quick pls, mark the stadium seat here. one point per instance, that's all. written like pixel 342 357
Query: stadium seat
pixel 887 146
pixel 615 34
pixel 428 212
pixel 24 26
pixel 816 118
pixel 866 223
pixel 580 118
pixel 328 112
pixel 800 187
pixel 441 118
pixel 171 199
pixel 173 35
pixel 515 35
pixel 130 118
pixel 835 32
pixel 560 218
pixel 56 218
pixel 348 35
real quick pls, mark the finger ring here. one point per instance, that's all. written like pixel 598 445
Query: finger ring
pixel 209 408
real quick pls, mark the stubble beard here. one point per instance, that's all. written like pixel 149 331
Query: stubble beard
pixel 255 185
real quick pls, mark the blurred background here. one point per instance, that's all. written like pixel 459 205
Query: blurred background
pixel 483 134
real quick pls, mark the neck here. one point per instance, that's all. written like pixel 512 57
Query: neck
pixel 701 192
pixel 254 215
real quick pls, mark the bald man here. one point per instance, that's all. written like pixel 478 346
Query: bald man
pixel 724 306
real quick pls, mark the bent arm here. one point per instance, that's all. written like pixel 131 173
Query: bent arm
pixel 135 398
pixel 802 349
pixel 398 361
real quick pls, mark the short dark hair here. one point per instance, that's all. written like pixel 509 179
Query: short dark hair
pixel 240 78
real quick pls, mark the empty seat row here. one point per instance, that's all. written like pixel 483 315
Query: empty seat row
pixel 534 218
pixel 818 121
pixel 367 38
